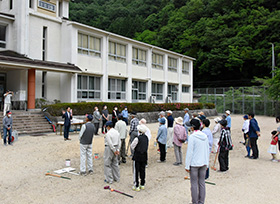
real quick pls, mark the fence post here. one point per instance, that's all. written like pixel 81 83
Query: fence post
pixel 207 95
pixel 264 103
pixel 254 100
pixel 243 101
pixel 224 100
pixel 215 97
pixel 232 100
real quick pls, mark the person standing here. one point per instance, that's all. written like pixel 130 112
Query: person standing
pixel 197 161
pixel 228 119
pixel 105 118
pixel 115 114
pixel 67 122
pixel 96 119
pixel 179 137
pixel 133 132
pixel 112 150
pixel 245 130
pixel 170 122
pixel 140 146
pixel 161 139
pixel 125 115
pixel 278 131
pixel 225 144
pixel 186 119
pixel 207 131
pixel 216 134
pixel 254 134
pixel 162 115
pixel 7 101
pixel 85 137
pixel 148 132
pixel 121 128
pixel 7 128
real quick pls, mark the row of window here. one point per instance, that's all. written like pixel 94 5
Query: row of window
pixel 89 88
pixel 89 45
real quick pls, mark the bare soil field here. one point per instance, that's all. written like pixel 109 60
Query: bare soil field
pixel 23 167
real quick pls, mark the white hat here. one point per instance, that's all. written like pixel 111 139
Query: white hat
pixel 162 113
pixel 169 111
pixel 217 119
pixel 228 112
pixel 142 121
pixel 179 120
pixel 142 128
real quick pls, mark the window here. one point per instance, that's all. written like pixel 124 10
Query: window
pixel 44 84
pixel 139 57
pixel 11 4
pixel 44 46
pixel 60 9
pixel 157 61
pixel 138 90
pixel 47 6
pixel 88 87
pixel 117 52
pixel 116 89
pixel 89 45
pixel 157 90
pixel 185 89
pixel 172 64
pixel 185 67
pixel 2 36
pixel 173 92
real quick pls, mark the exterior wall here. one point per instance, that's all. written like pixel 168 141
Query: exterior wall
pixel 139 72
pixel 117 69
pixel 89 64
pixel 158 75
pixel 186 97
pixel 53 86
pixel 38 92
pixel 17 80
pixel 173 77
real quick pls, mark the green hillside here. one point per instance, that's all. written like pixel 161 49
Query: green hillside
pixel 231 39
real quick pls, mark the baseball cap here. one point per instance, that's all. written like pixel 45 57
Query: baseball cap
pixel 223 122
pixel 90 117
pixel 193 123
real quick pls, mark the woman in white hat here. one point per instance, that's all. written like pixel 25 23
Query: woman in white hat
pixel 216 134
pixel 179 137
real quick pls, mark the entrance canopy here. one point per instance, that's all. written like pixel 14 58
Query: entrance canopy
pixel 12 61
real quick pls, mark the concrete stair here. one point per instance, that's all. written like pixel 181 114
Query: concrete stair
pixel 29 122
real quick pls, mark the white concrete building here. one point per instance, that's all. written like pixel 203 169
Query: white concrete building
pixel 44 55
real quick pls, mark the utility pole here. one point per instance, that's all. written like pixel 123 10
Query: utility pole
pixel 273 60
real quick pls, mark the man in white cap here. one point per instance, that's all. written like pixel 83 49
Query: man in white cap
pixel 228 119
pixel 148 132
pixel 140 146
pixel 170 121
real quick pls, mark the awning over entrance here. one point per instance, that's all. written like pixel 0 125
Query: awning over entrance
pixel 10 60
pixel 13 59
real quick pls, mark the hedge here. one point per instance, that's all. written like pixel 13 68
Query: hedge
pixel 87 107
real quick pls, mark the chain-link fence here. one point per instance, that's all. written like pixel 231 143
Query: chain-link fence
pixel 239 100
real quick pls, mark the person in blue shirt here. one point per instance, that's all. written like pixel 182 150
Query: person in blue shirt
pixel 125 115
pixel 161 139
pixel 254 134
pixel 228 119
pixel 186 119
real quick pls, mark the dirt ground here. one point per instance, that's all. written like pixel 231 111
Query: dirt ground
pixel 23 167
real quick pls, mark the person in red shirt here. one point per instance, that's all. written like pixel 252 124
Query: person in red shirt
pixel 273 149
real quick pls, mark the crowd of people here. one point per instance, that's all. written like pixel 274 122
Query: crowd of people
pixel 172 133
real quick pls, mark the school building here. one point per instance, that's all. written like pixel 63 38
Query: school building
pixel 45 55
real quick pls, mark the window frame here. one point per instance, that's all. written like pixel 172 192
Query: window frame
pixel 137 90
pixel 138 61
pixel 4 42
pixel 172 68
pixel 184 87
pixel 155 65
pixel 81 90
pixel 173 93
pixel 85 49
pixel 114 83
pixel 156 94
pixel 114 56
pixel 187 69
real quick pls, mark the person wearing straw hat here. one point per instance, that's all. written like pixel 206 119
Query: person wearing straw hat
pixel 216 132
pixel 121 128
pixel 179 137
pixel 85 137
pixel 111 152
pixel 140 157
pixel 170 121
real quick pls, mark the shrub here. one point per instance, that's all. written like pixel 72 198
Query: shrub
pixel 84 107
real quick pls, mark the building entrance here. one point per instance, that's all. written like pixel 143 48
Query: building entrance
pixel 2 89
